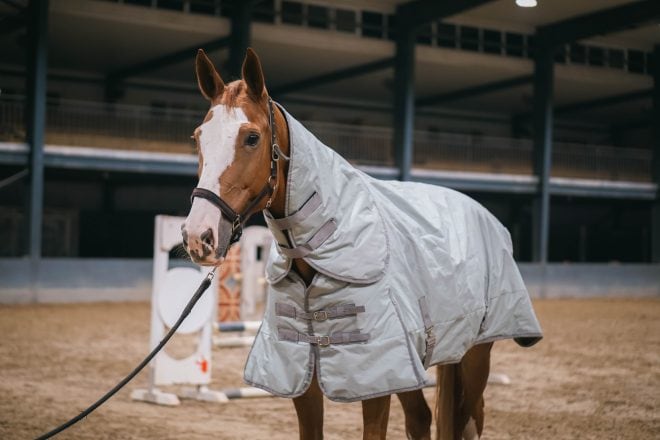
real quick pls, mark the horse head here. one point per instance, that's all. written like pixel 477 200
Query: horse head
pixel 238 159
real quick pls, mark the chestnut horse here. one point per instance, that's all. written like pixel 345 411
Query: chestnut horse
pixel 243 144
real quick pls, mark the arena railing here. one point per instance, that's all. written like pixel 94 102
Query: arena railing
pixel 132 127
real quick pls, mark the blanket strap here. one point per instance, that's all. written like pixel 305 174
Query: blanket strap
pixel 322 341
pixel 311 205
pixel 317 240
pixel 428 328
pixel 339 311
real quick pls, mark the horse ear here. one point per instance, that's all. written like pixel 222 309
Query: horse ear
pixel 208 79
pixel 253 75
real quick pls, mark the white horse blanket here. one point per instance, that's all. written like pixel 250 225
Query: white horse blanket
pixel 409 275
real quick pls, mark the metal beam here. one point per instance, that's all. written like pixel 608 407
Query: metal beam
pixel 603 102
pixel 605 21
pixel 186 88
pixel 335 76
pixel 410 16
pixel 655 171
pixel 167 164
pixel 240 36
pixel 419 12
pixel 604 189
pixel 655 121
pixel 404 102
pixel 238 41
pixel 471 92
pixel 14 178
pixel 543 126
pixel 477 182
pixel 36 121
pixel 524 184
pixel 165 60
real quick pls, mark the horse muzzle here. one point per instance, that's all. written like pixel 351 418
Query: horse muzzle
pixel 206 245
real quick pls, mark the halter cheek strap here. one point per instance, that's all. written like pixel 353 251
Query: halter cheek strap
pixel 238 219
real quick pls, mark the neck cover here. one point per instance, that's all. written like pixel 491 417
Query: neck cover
pixel 409 276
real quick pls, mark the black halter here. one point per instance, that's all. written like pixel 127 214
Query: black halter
pixel 239 219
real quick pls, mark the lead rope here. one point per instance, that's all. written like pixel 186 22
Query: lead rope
pixel 206 282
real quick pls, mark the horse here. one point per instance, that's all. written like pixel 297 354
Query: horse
pixel 245 165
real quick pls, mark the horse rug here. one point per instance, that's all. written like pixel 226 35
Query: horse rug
pixel 409 275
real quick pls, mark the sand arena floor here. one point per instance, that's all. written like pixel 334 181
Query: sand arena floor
pixel 596 375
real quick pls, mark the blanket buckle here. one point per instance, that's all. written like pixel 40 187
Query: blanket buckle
pixel 323 341
pixel 320 315
pixel 430 334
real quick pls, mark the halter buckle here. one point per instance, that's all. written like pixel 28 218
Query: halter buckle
pixel 236 224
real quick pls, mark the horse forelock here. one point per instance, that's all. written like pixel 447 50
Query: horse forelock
pixel 235 94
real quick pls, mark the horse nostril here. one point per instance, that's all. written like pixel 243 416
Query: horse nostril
pixel 207 237
pixel 184 236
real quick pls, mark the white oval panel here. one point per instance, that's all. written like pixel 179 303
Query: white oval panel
pixel 177 287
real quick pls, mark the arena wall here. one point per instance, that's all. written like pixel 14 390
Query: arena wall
pixel 59 280
pixel 570 280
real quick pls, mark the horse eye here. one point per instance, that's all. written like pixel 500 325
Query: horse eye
pixel 252 139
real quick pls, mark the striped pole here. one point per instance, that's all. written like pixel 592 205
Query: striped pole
pixel 238 326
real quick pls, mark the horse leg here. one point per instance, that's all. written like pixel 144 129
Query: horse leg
pixel 460 403
pixel 309 408
pixel 475 367
pixel 375 414
pixel 418 415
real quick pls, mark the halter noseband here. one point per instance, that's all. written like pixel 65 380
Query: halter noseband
pixel 239 219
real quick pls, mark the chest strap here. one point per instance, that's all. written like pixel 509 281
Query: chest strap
pixel 322 341
pixel 340 311
pixel 282 224
pixel 311 205
pixel 317 240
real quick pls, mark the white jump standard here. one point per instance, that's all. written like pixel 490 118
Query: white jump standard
pixel 170 293
pixel 169 296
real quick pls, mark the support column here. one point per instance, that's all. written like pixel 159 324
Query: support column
pixel 543 127
pixel 655 126
pixel 404 100
pixel 240 36
pixel 36 121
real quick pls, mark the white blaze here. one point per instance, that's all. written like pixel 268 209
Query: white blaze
pixel 217 140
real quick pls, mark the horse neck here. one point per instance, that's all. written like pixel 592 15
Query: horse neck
pixel 279 199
